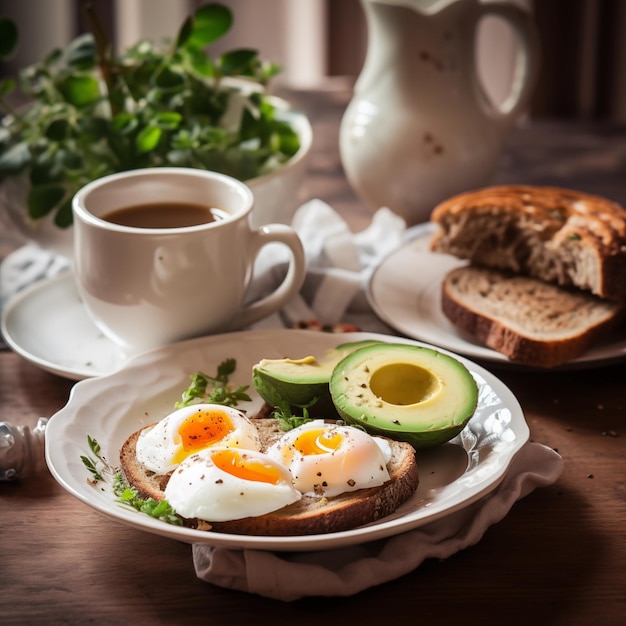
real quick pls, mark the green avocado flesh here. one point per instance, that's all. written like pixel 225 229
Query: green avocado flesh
pixel 404 392
pixel 301 382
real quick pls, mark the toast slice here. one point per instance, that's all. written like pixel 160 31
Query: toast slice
pixel 310 515
pixel 561 236
pixel 529 321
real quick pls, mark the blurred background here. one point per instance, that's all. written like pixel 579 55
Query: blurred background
pixel 319 43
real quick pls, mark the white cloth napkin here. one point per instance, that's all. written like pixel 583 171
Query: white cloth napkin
pixel 290 576
pixel 26 266
pixel 339 263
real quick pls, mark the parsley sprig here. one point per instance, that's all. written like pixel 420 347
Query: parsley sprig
pixel 283 413
pixel 204 388
pixel 101 470
pixel 130 496
pixel 214 389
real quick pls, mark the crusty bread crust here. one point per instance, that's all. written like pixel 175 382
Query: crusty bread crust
pixel 527 320
pixel 309 515
pixel 561 236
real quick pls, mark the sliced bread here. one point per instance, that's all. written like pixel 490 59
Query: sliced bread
pixel 561 236
pixel 529 321
pixel 310 515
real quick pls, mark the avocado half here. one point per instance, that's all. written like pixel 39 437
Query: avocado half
pixel 412 393
pixel 301 382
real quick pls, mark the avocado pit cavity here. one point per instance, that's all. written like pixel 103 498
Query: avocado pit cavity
pixel 404 384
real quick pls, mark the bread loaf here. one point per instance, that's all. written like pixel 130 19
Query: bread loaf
pixel 529 321
pixel 310 515
pixel 560 236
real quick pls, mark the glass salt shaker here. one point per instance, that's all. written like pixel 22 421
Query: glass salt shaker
pixel 21 450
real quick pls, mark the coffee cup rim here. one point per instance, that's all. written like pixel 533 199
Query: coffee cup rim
pixel 78 204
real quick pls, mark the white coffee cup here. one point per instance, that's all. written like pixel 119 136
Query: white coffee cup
pixel 146 287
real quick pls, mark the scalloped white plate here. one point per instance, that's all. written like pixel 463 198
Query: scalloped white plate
pixel 405 292
pixel 110 408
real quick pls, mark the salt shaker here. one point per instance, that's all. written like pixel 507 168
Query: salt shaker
pixel 21 450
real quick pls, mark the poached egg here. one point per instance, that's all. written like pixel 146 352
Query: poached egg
pixel 221 484
pixel 188 430
pixel 331 459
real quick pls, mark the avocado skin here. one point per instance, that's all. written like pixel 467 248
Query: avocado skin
pixel 421 430
pixel 311 390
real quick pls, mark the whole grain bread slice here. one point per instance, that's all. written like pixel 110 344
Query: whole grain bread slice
pixel 310 515
pixel 561 236
pixel 529 321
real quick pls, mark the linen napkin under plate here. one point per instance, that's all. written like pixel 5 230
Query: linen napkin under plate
pixel 290 576
pixel 339 264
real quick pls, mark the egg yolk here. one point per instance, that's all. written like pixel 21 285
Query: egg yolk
pixel 241 465
pixel 201 430
pixel 318 441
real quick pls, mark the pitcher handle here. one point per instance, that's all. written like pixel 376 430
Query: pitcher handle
pixel 292 282
pixel 528 56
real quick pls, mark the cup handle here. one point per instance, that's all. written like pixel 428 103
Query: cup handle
pixel 291 284
pixel 528 58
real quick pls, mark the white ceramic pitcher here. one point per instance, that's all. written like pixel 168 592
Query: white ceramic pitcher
pixel 420 126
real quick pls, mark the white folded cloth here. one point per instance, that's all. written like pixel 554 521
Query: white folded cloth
pixel 339 264
pixel 26 266
pixel 341 572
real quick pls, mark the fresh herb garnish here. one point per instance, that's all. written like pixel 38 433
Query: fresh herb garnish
pixel 214 389
pixel 130 496
pixel 102 470
pixel 203 388
pixel 286 418
pixel 96 467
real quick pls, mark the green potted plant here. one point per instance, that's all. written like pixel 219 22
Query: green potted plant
pixel 89 113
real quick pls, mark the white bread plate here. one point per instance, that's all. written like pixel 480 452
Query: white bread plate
pixel 404 291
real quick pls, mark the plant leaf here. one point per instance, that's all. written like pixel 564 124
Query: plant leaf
pixel 93 128
pixel 7 86
pixel 289 141
pixel 44 172
pixel 168 120
pixel 184 33
pixel 82 53
pixel 238 61
pixel 43 199
pixel 124 123
pixel 58 129
pixel 63 217
pixel 15 158
pixel 211 22
pixel 169 81
pixel 8 37
pixel 80 90
pixel 148 138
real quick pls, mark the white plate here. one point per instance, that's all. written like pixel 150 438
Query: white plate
pixel 48 325
pixel 111 407
pixel 405 292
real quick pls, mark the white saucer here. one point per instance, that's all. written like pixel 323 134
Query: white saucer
pixel 48 326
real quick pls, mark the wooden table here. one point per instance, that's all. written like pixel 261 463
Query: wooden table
pixel 559 557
